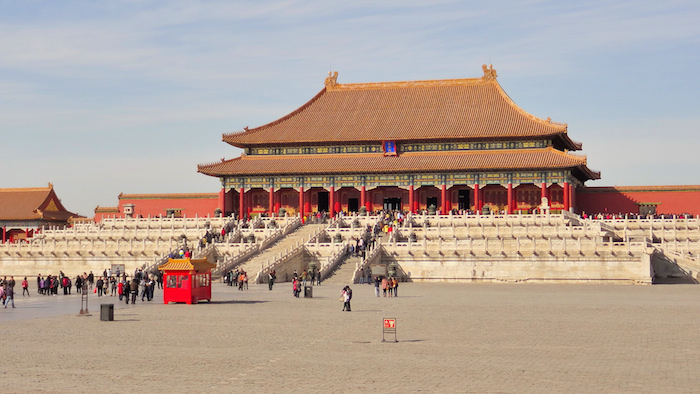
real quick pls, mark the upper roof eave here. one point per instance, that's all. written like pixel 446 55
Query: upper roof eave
pixel 473 110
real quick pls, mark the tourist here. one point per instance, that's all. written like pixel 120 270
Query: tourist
pixel 64 284
pixel 120 289
pixel 295 287
pixel 100 286
pixel 395 286
pixel 271 279
pixel 151 286
pixel 113 286
pixel 377 282
pixel 385 284
pixel 318 278
pixel 25 287
pixel 347 296
pixel 9 296
pixel 38 284
pixel 91 279
pixel 142 288
pixel 2 293
pixel 134 289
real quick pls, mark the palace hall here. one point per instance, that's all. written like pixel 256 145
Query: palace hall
pixel 443 145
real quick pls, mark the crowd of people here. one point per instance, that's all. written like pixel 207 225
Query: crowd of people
pixel 115 284
pixel 634 216
pixel 237 278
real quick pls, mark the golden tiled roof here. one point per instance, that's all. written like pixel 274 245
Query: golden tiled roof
pixel 474 109
pixel 511 159
pixel 200 265
pixel 39 203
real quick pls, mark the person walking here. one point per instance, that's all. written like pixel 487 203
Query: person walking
pixel 143 289
pixel 100 286
pixel 295 287
pixel 25 287
pixel 347 296
pixel 271 276
pixel 10 296
pixel 134 288
pixel 377 282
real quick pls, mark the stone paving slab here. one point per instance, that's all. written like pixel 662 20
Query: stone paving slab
pixel 452 338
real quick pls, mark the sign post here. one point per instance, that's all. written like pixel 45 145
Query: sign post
pixel 84 301
pixel 389 327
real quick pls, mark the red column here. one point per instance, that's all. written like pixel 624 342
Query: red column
pixel 363 197
pixel 4 234
pixel 509 209
pixel 301 201
pixel 331 202
pixel 477 200
pixel 368 202
pixel 443 199
pixel 566 196
pixel 544 193
pixel 241 203
pixel 411 200
pixel 222 201
pixel 272 200
pixel 572 197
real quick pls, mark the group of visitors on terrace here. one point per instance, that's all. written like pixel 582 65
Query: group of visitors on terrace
pixel 634 216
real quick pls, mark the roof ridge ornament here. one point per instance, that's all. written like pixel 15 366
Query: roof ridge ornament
pixel 489 72
pixel 331 80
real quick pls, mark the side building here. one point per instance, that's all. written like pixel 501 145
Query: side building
pixel 23 211
pixel 174 205
pixel 459 144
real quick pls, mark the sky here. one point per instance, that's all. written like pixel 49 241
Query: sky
pixel 108 97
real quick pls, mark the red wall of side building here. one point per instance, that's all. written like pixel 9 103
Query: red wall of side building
pixel 671 200
pixel 189 205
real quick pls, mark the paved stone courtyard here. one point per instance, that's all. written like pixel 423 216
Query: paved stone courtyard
pixel 452 338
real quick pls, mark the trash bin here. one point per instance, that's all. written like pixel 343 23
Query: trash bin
pixel 308 292
pixel 107 312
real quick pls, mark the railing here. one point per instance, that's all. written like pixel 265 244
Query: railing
pixel 371 257
pixel 520 247
pixel 262 274
pixel 285 255
pixel 332 261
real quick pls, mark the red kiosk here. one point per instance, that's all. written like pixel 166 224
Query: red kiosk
pixel 186 280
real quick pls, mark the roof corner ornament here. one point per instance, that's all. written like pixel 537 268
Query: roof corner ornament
pixel 245 128
pixel 332 79
pixel 489 72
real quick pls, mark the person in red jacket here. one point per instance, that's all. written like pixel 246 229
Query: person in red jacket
pixel 25 287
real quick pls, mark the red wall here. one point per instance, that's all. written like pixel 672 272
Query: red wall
pixel 625 199
pixel 191 205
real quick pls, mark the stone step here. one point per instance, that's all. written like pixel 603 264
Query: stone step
pixel 257 262
pixel 342 275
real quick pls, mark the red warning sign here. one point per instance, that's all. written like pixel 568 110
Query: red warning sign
pixel 390 323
